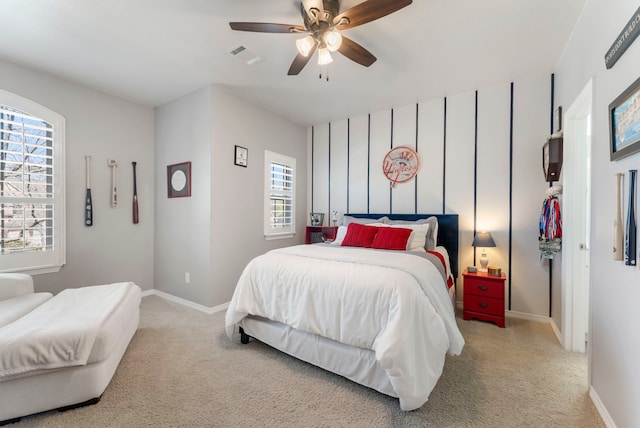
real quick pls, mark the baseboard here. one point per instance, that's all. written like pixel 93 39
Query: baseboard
pixel 604 414
pixel 556 331
pixel 530 317
pixel 187 303
pixel 514 314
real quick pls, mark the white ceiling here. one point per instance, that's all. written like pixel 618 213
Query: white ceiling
pixel 153 51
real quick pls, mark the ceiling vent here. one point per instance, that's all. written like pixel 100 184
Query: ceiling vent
pixel 243 54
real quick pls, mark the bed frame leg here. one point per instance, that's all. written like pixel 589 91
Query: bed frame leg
pixel 244 337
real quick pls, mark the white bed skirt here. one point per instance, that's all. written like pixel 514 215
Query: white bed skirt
pixel 356 364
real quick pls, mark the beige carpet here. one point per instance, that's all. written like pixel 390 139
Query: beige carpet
pixel 181 371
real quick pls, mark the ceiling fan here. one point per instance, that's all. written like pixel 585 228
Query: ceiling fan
pixel 322 25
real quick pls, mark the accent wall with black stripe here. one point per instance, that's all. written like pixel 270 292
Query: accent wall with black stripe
pixel 480 157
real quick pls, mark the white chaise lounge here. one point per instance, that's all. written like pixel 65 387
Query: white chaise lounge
pixel 60 352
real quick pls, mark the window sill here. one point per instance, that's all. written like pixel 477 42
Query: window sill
pixel 279 236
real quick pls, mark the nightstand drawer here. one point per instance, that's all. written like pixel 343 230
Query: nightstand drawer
pixel 483 304
pixel 484 287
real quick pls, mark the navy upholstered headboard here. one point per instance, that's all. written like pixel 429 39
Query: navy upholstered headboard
pixel 447 231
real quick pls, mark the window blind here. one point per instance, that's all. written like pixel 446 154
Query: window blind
pixel 279 195
pixel 26 182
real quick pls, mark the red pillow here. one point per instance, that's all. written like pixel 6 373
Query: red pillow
pixel 359 235
pixel 391 238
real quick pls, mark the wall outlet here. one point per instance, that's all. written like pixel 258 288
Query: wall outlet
pixel 187 278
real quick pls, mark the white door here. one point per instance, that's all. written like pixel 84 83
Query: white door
pixel 577 221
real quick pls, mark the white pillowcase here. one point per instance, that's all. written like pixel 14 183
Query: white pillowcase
pixel 340 234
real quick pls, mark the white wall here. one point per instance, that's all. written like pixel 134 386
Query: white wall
pixel 237 205
pixel 183 225
pixel 615 288
pixel 215 232
pixel 366 140
pixel 105 127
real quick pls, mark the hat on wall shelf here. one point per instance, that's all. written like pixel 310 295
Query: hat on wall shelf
pixel 483 240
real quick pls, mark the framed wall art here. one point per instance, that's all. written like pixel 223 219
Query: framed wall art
pixel 624 120
pixel 179 180
pixel 241 156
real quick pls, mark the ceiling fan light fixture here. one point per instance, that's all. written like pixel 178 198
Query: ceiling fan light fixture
pixel 333 40
pixel 324 57
pixel 305 45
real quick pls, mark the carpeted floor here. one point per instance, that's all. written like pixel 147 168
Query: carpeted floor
pixel 182 371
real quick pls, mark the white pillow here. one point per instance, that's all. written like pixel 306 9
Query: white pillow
pixel 346 219
pixel 340 234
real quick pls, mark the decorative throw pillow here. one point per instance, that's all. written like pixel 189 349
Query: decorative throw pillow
pixel 391 238
pixel 432 234
pixel 359 235
pixel 417 240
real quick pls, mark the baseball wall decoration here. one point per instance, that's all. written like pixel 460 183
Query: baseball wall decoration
pixel 400 164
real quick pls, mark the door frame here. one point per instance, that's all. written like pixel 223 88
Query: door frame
pixel 576 313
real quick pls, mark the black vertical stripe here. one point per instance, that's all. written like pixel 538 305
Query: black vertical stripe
pixel 329 180
pixel 312 163
pixel 553 90
pixel 415 179
pixel 553 87
pixel 390 187
pixel 368 163
pixel 475 175
pixel 444 158
pixel 348 161
pixel 510 249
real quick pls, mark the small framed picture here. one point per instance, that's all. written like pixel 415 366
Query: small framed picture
pixel 624 120
pixel 179 180
pixel 241 156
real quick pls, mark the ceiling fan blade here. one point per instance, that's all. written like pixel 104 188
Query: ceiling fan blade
pixel 355 52
pixel 263 27
pixel 368 11
pixel 300 61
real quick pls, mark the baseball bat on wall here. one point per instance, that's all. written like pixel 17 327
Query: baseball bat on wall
pixel 618 232
pixel 630 237
pixel 88 203
pixel 135 195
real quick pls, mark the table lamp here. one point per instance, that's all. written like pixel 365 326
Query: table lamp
pixel 483 240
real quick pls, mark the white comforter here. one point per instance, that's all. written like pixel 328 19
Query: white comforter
pixel 393 303
pixel 60 332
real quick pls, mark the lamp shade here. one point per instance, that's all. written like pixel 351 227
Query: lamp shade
pixel 483 239
pixel 333 40
pixel 324 57
pixel 305 45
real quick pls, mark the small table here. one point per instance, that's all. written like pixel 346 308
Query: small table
pixel 316 234
pixel 483 297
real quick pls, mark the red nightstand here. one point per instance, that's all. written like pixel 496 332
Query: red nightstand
pixel 316 234
pixel 483 297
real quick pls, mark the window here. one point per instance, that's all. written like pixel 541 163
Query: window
pixel 279 196
pixel 31 186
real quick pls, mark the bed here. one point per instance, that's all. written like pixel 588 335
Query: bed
pixel 380 317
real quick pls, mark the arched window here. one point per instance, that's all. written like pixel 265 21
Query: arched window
pixel 32 209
